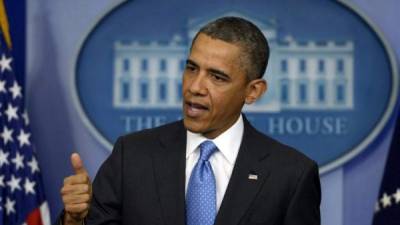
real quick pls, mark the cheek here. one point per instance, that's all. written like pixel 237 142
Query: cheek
pixel 184 82
pixel 185 86
pixel 231 101
pixel 221 102
pixel 185 79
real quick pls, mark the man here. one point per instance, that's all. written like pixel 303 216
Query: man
pixel 211 168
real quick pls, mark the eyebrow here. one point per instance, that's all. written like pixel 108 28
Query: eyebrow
pixel 220 73
pixel 191 62
pixel 214 71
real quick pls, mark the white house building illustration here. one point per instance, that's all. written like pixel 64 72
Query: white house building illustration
pixel 311 75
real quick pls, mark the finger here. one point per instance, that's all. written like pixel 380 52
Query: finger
pixel 77 179
pixel 76 199
pixel 75 189
pixel 77 164
pixel 77 208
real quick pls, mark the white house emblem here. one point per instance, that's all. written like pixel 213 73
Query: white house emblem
pixel 332 83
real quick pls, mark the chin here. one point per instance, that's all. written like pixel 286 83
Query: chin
pixel 192 125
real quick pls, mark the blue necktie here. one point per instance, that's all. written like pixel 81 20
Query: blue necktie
pixel 201 201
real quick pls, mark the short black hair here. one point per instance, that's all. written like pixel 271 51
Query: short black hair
pixel 247 36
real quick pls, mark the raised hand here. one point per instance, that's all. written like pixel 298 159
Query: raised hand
pixel 76 193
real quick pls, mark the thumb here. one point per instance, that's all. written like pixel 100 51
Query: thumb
pixel 77 164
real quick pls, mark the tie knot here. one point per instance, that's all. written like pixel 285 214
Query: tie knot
pixel 207 148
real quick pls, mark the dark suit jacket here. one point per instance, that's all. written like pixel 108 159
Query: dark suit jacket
pixel 143 182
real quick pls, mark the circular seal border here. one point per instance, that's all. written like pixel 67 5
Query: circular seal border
pixel 323 169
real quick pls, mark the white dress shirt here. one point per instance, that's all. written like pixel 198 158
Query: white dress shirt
pixel 222 161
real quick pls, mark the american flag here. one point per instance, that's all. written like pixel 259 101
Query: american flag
pixel 387 206
pixel 22 199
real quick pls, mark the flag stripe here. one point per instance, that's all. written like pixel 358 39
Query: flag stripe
pixel 45 213
pixel 34 218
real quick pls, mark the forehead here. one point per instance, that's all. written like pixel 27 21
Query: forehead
pixel 215 52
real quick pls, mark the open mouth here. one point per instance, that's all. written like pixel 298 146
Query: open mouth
pixel 195 109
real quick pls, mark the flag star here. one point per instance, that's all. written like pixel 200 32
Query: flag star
pixel 2 181
pixel 29 186
pixel 377 207
pixel 386 200
pixel 16 90
pixel 3 86
pixel 18 161
pixel 3 158
pixel 5 63
pixel 396 196
pixel 7 135
pixel 23 138
pixel 33 164
pixel 14 183
pixel 26 118
pixel 11 112
pixel 9 206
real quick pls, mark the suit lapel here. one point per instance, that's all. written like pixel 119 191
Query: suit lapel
pixel 241 190
pixel 169 168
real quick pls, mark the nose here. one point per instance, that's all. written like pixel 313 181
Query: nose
pixel 198 85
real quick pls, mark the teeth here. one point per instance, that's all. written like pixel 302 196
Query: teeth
pixel 196 106
pixel 195 110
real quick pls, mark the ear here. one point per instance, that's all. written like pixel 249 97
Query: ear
pixel 255 89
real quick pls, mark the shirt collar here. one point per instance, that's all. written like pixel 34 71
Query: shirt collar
pixel 228 143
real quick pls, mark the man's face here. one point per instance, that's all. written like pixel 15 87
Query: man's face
pixel 214 86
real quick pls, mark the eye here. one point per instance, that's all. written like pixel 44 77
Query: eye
pixel 218 77
pixel 190 68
